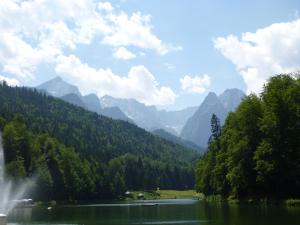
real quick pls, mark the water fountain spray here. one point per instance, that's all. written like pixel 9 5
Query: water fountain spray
pixel 7 193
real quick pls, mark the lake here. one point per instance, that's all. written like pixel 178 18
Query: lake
pixel 160 212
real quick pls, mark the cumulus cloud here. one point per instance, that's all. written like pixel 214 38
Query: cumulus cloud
pixel 9 81
pixel 135 30
pixel 123 53
pixel 268 51
pixel 196 84
pixel 140 83
pixel 38 32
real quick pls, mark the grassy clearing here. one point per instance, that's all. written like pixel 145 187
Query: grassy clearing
pixel 178 194
pixel 166 194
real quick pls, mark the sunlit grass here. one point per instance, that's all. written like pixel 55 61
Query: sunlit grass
pixel 178 194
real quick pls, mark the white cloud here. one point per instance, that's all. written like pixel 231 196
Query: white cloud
pixel 196 84
pixel 268 51
pixel 139 83
pixel 123 53
pixel 9 81
pixel 135 30
pixel 106 6
pixel 37 32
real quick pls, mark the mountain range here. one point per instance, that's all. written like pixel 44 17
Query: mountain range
pixel 149 117
pixel 59 88
pixel 190 125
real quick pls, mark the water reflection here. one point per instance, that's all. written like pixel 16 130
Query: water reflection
pixel 169 212
pixel 21 214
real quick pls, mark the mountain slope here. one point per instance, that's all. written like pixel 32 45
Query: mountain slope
pixel 148 117
pixel 100 129
pixel 92 103
pixel 73 99
pixel 231 98
pixel 57 87
pixel 115 152
pixel 142 115
pixel 197 128
pixel 176 119
pixel 170 137
pixel 115 113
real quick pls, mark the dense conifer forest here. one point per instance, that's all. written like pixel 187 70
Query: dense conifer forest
pixel 74 154
pixel 257 152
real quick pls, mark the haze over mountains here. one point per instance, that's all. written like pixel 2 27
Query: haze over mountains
pixel 149 117
pixel 191 124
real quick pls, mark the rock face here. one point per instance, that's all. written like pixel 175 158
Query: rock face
pixel 73 99
pixel 141 114
pixel 115 113
pixel 148 117
pixel 197 129
pixel 231 98
pixel 57 87
pixel 92 103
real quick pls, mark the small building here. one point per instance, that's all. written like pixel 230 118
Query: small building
pixel 141 196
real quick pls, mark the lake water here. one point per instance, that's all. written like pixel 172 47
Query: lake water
pixel 160 212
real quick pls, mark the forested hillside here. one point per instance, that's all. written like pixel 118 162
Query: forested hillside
pixel 77 154
pixel 257 153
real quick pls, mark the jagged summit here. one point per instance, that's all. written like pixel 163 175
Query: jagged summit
pixel 197 129
pixel 58 87
pixel 231 98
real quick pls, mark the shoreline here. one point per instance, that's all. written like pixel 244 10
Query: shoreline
pixel 179 194
pixel 260 201
pixel 132 195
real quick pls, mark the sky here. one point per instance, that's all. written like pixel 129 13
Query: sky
pixel 167 53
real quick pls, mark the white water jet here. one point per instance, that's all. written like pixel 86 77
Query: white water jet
pixel 8 194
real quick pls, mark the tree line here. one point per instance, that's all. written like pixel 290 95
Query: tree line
pixel 256 154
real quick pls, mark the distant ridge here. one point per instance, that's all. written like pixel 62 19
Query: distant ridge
pixel 57 87
pixel 149 117
pixel 197 129
pixel 191 124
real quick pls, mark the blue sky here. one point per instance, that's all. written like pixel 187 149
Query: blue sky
pixel 168 53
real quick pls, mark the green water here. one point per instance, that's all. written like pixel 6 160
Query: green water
pixel 168 212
